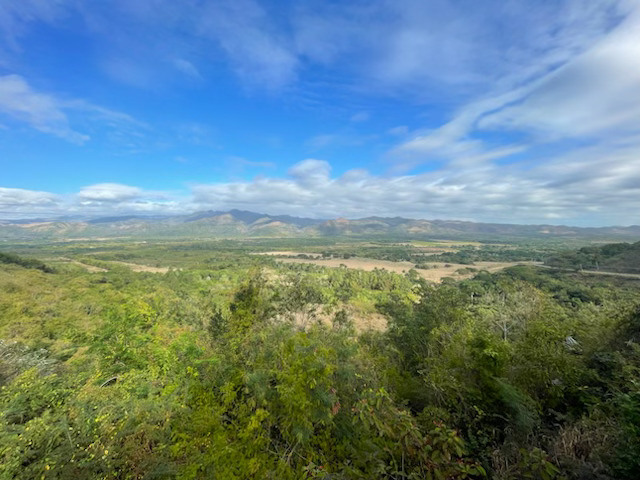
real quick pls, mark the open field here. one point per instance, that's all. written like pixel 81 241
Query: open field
pixel 286 253
pixel 441 243
pixel 434 274
pixel 86 266
pixel 135 267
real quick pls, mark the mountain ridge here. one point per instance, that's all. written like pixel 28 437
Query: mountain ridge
pixel 234 223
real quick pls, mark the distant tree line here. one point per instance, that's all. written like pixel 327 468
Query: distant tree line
pixel 25 262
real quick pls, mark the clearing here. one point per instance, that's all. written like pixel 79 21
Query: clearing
pixel 136 267
pixel 434 274
pixel 284 253
pixel 86 266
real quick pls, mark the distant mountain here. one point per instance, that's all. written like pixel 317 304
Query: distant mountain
pixel 398 226
pixel 127 218
pixel 240 223
pixel 252 217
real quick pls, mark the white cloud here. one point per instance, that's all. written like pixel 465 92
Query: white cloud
pixel 53 114
pixel 590 97
pixel 311 172
pixel 555 73
pixel 42 111
pixel 92 200
pixel 120 199
pixel 427 49
pixel 18 203
pixel 109 192
pixel 594 94
pixel 396 47
pixel 575 189
pixel 17 197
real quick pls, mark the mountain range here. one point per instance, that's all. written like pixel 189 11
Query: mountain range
pixel 239 223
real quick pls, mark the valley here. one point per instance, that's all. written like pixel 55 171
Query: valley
pixel 127 354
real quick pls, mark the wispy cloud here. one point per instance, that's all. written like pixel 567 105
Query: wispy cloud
pixel 186 67
pixel 140 36
pixel 399 47
pixel 591 97
pixel 595 94
pixel 425 49
pixel 41 111
pixel 251 39
pixel 360 117
pixel 340 139
pixel 15 17
pixel 243 162
pixel 51 114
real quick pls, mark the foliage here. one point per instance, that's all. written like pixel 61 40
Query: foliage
pixel 612 257
pixel 9 258
pixel 231 365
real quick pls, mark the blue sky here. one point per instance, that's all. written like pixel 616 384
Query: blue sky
pixel 521 111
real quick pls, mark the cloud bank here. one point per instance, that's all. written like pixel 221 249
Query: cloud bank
pixel 580 190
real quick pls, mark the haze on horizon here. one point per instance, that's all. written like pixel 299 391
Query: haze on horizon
pixel 510 112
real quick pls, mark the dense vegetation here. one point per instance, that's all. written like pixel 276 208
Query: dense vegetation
pixel 613 257
pixel 231 365
pixel 24 262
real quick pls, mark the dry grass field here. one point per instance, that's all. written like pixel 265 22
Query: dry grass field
pixel 434 274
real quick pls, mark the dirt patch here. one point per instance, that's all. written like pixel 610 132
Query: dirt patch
pixel 369 321
pixel 135 267
pixel 355 262
pixel 435 274
pixel 288 254
pixel 452 270
pixel 362 321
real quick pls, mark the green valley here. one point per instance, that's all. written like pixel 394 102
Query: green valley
pixel 226 359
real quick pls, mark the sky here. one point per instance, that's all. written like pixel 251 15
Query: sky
pixel 508 111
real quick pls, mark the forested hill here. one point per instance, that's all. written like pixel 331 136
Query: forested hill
pixel 614 257
pixel 237 223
